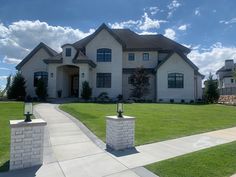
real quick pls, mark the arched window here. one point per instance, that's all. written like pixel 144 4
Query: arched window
pixel 40 75
pixel 175 80
pixel 104 55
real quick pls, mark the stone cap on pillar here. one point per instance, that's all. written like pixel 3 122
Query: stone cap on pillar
pixel 120 118
pixel 22 123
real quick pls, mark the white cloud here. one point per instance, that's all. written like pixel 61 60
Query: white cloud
pixel 173 6
pixel 146 32
pixel 213 58
pixel 183 27
pixel 231 21
pixel 144 24
pixel 153 10
pixel 6 69
pixel 19 38
pixel 3 78
pixel 197 12
pixel 170 33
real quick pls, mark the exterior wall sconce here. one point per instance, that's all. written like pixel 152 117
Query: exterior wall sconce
pixel 120 109
pixel 51 74
pixel 82 75
pixel 28 111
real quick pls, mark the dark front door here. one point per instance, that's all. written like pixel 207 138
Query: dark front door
pixel 75 85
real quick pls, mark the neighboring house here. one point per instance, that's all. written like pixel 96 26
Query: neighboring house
pixel 225 75
pixel 107 58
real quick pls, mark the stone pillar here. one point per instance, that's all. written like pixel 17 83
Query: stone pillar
pixel 120 132
pixel 27 140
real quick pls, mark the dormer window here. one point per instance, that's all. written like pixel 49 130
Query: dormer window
pixel 68 52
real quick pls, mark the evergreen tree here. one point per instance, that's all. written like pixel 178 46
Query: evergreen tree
pixel 86 91
pixel 41 89
pixel 140 83
pixel 17 89
pixel 211 93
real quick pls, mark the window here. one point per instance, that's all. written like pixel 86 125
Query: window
pixel 40 75
pixel 232 80
pixel 104 55
pixel 68 52
pixel 103 80
pixel 145 56
pixel 175 80
pixel 131 57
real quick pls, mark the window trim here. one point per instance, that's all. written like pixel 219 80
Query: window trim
pixel 147 54
pixel 175 84
pixel 131 54
pixel 104 77
pixel 68 49
pixel 104 55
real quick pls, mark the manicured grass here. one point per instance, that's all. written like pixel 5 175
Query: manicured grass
pixel 8 111
pixel 157 122
pixel 219 161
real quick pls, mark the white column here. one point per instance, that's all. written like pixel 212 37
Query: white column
pixel 120 132
pixel 27 140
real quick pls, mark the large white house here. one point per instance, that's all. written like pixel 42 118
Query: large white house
pixel 107 58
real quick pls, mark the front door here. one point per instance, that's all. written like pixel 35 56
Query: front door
pixel 75 86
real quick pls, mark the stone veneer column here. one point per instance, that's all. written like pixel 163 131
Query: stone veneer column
pixel 120 132
pixel 27 140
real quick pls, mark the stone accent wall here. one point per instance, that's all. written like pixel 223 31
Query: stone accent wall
pixel 227 99
pixel 27 140
pixel 120 132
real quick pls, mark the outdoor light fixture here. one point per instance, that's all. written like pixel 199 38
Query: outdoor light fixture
pixel 28 111
pixel 120 109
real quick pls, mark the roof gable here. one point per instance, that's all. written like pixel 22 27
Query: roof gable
pixel 41 45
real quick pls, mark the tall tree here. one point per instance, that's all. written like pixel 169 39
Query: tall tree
pixel 140 83
pixel 41 90
pixel 17 88
pixel 211 93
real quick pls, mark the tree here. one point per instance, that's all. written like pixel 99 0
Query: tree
pixel 140 83
pixel 17 89
pixel 211 93
pixel 86 91
pixel 41 89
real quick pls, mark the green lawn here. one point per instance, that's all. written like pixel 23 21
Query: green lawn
pixel 8 110
pixel 219 161
pixel 157 122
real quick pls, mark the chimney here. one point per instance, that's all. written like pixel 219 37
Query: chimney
pixel 229 64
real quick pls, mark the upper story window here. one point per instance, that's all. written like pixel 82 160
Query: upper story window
pixel 175 80
pixel 41 75
pixel 131 57
pixel 232 80
pixel 103 80
pixel 68 52
pixel 145 56
pixel 104 55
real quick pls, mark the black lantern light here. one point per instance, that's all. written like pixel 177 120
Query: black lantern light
pixel 120 109
pixel 28 111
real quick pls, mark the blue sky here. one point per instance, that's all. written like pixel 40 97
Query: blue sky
pixel 206 26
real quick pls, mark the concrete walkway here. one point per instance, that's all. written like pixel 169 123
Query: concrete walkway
pixel 71 150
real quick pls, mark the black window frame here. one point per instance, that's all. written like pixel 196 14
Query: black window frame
pixel 175 80
pixel 232 81
pixel 68 52
pixel 145 54
pixel 131 56
pixel 43 75
pixel 103 80
pixel 104 55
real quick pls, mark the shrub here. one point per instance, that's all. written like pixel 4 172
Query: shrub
pixel 182 101
pixel 119 97
pixel 17 89
pixel 86 91
pixel 103 97
pixel 172 100
pixel 211 94
pixel 41 90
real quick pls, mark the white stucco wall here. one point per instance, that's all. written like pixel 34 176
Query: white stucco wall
pixel 227 82
pixel 138 62
pixel 67 60
pixel 105 40
pixel 35 64
pixel 175 64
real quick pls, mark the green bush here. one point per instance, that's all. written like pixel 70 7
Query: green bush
pixel 86 91
pixel 41 90
pixel 17 89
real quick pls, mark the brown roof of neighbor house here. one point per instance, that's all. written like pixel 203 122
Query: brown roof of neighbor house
pixel 49 50
pixel 133 41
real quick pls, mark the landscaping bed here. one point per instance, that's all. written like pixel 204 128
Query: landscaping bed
pixel 157 122
pixel 8 111
pixel 219 161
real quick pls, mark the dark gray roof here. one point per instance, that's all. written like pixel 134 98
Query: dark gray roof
pixel 222 69
pixel 133 41
pixel 49 50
